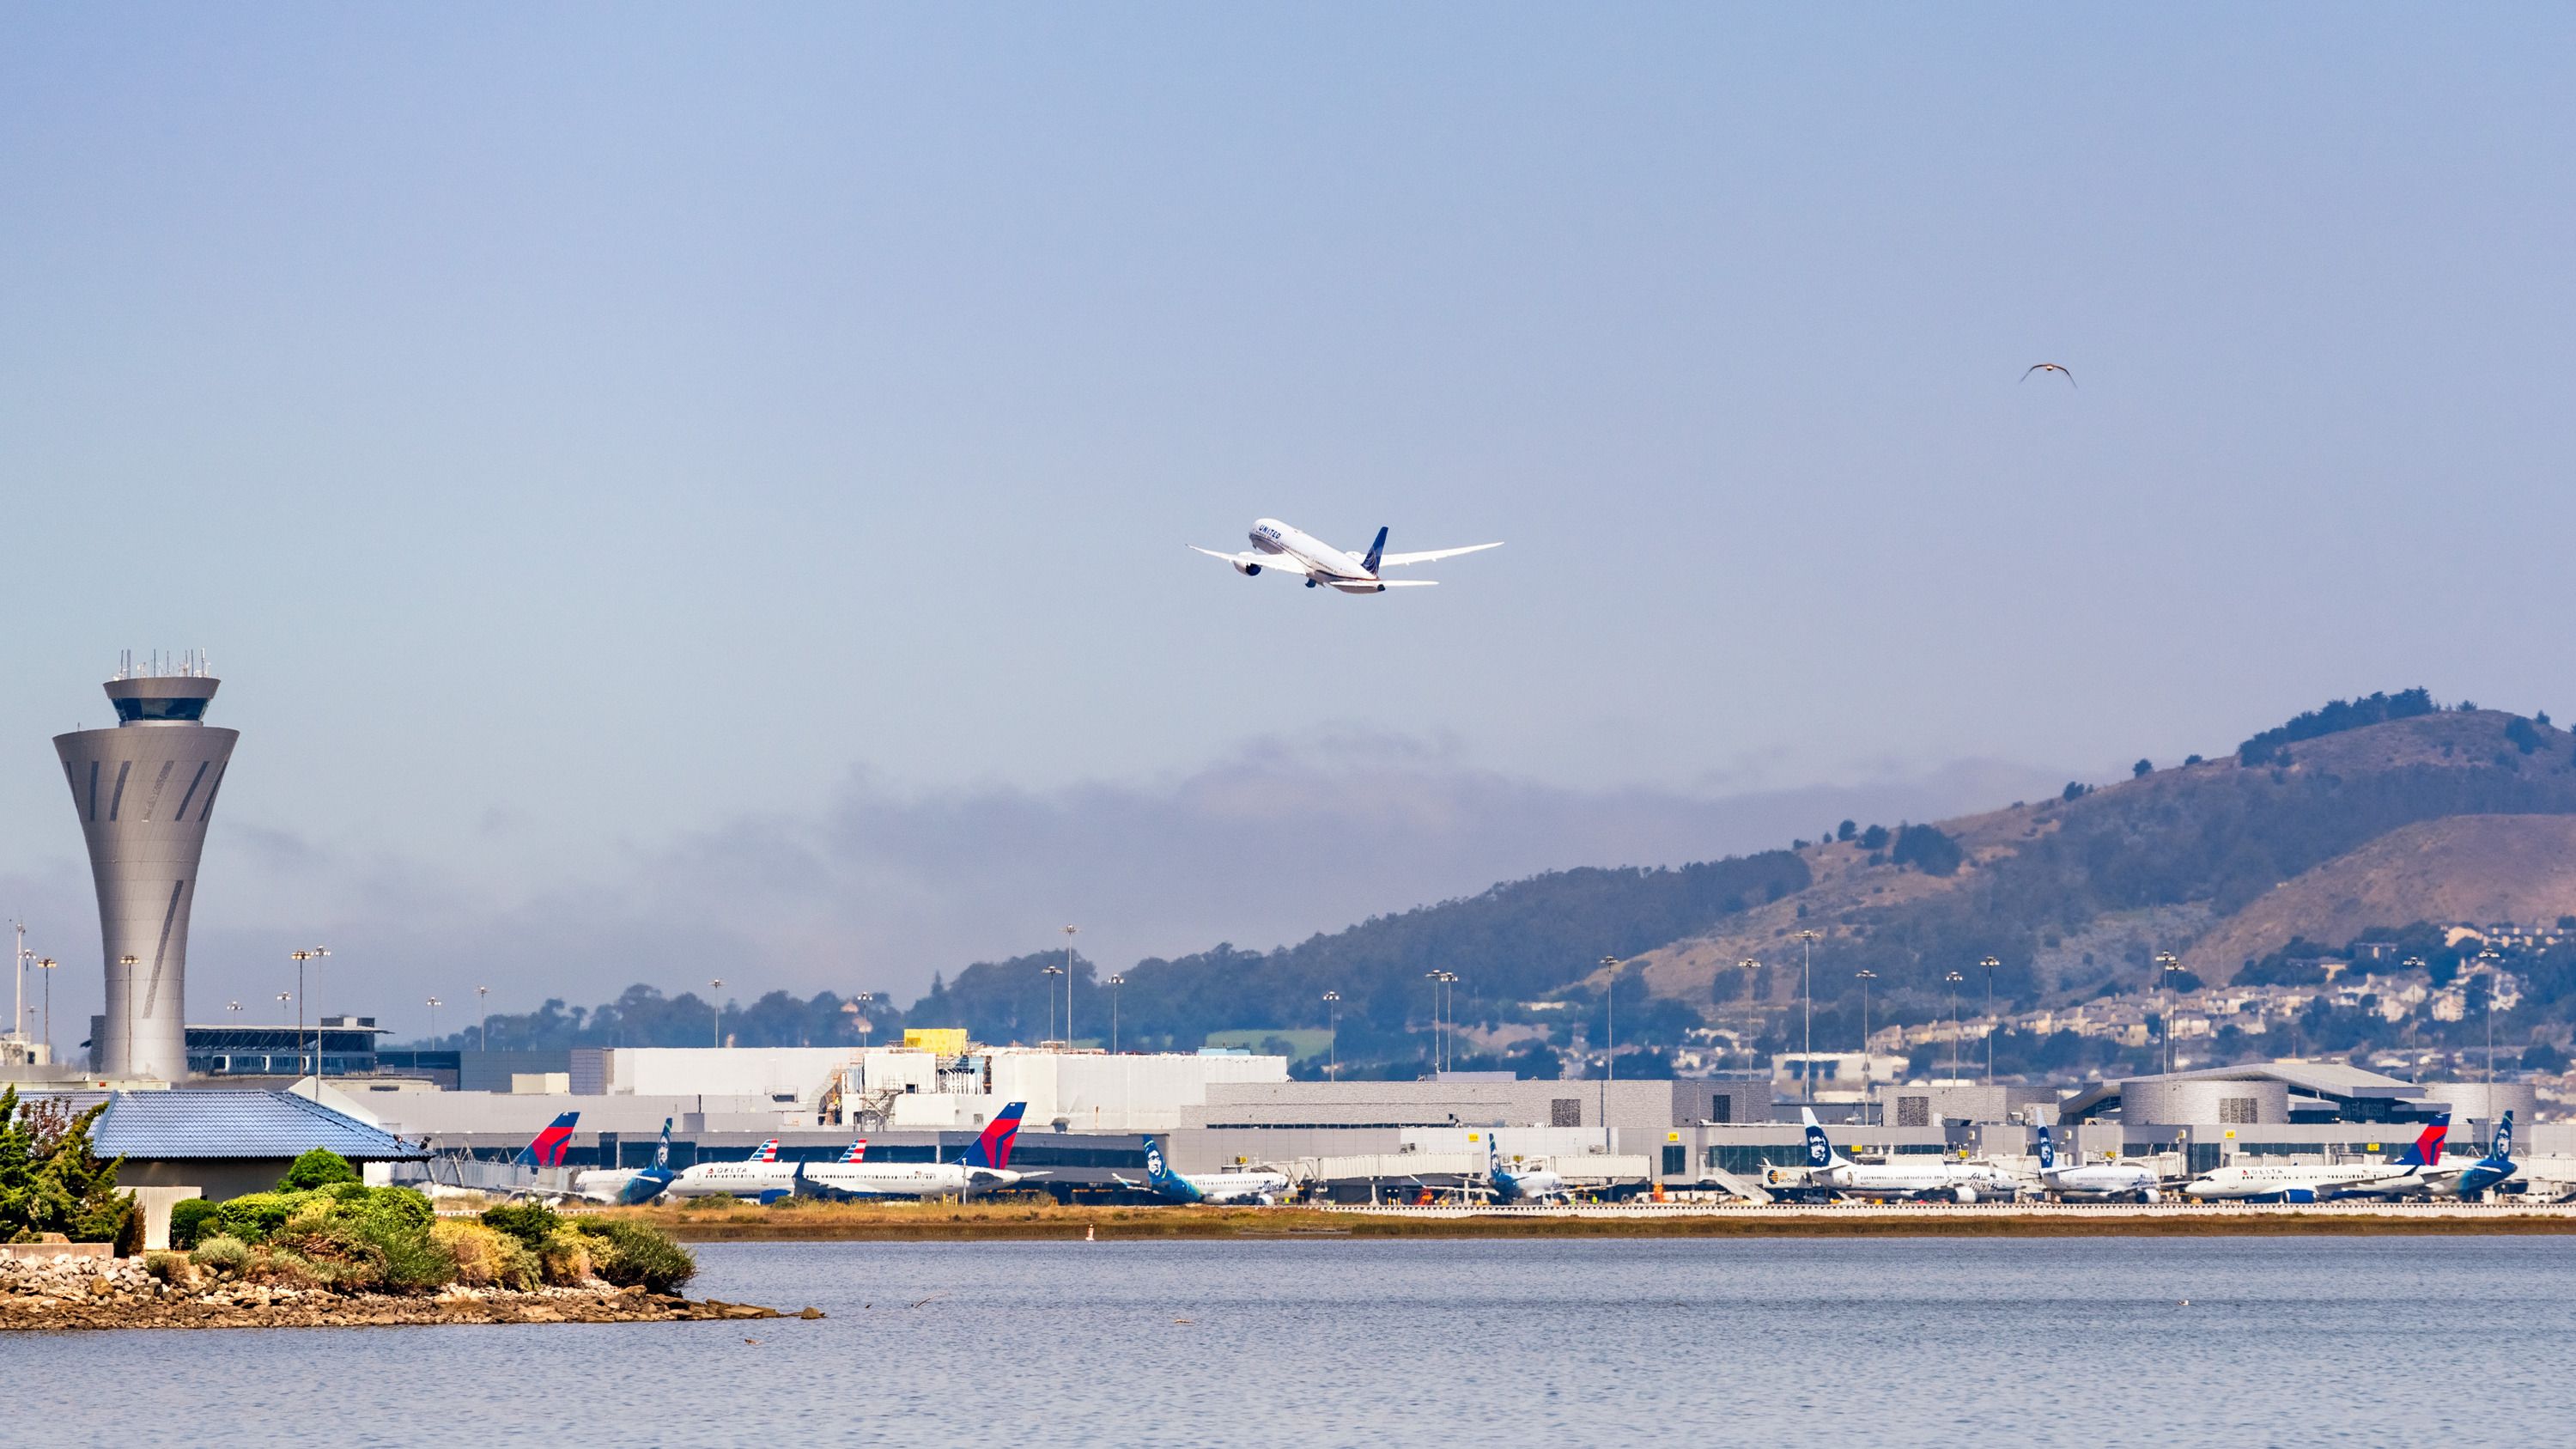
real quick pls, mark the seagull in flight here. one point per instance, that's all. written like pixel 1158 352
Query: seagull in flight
pixel 2050 367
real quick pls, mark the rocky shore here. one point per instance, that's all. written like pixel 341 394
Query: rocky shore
pixel 100 1293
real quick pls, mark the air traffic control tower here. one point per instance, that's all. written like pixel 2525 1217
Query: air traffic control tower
pixel 145 790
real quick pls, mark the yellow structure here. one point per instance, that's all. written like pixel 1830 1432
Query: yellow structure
pixel 946 1041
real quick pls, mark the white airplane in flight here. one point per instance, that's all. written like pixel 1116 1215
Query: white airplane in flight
pixel 1294 551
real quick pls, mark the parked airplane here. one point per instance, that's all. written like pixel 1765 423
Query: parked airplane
pixel 1294 551
pixel 985 1166
pixel 629 1186
pixel 1264 1188
pixel 761 1176
pixel 1828 1171
pixel 546 1149
pixel 1533 1186
pixel 2316 1182
pixel 2492 1170
pixel 2462 1178
pixel 2097 1183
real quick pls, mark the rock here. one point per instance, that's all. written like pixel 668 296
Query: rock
pixel 811 1314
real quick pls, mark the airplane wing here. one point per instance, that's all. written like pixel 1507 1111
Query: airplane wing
pixel 1279 561
pixel 1393 559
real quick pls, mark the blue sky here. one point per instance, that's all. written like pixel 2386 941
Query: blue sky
pixel 669 486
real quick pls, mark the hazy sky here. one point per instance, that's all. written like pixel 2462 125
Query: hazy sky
pixel 692 491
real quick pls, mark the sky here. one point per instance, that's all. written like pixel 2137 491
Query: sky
pixel 677 492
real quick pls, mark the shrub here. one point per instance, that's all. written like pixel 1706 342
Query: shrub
pixel 170 1268
pixel 280 1268
pixel 479 1253
pixel 318 1167
pixel 1927 849
pixel 187 1216
pixel 638 1255
pixel 529 1222
pixel 222 1254
pixel 254 1215
pixel 565 1259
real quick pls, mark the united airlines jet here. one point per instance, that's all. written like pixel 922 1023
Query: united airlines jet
pixel 1294 551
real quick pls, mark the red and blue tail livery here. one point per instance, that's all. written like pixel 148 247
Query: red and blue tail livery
pixel 765 1152
pixel 993 1148
pixel 547 1148
pixel 857 1151
pixel 2427 1148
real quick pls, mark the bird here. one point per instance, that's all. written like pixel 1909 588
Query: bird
pixel 2049 367
pixel 751 1340
pixel 933 1298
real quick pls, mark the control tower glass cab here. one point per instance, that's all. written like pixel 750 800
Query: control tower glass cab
pixel 144 791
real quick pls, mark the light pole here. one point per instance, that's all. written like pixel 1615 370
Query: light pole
pixel 18 979
pixel 1807 984
pixel 314 953
pixel 1333 1011
pixel 284 997
pixel 2167 964
pixel 129 963
pixel 1050 970
pixel 46 964
pixel 2415 963
pixel 1954 978
pixel 482 1026
pixel 1116 980
pixel 433 1023
pixel 715 999
pixel 1068 983
pixel 1434 978
pixel 1748 965
pixel 860 1001
pixel 2486 1008
pixel 1865 976
pixel 1990 963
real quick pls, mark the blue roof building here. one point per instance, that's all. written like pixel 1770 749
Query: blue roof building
pixel 230 1143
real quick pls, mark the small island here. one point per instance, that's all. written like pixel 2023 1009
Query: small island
pixel 322 1250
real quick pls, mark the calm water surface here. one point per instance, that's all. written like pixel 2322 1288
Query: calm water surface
pixel 1926 1341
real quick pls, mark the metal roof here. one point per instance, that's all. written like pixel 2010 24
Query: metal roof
pixel 217 1124
pixel 2328 1080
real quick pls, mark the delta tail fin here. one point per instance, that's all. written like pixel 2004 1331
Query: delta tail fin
pixel 546 1149
pixel 993 1148
pixel 2426 1150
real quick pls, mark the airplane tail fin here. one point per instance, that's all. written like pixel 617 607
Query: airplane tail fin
pixel 546 1149
pixel 765 1152
pixel 856 1152
pixel 1376 551
pixel 662 1154
pixel 1157 1172
pixel 993 1148
pixel 2426 1151
pixel 2501 1149
pixel 2047 1152
pixel 1820 1150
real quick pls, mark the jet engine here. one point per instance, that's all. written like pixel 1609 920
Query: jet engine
pixel 1965 1193
pixel 1249 571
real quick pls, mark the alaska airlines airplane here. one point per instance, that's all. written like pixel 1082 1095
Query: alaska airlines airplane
pixel 2432 1177
pixel 2319 1182
pixel 1533 1186
pixel 628 1186
pixel 985 1166
pixel 2097 1183
pixel 546 1149
pixel 1214 1188
pixel 1924 1177
pixel 1294 551
pixel 761 1177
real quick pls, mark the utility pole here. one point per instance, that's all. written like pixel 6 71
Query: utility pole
pixel 1990 963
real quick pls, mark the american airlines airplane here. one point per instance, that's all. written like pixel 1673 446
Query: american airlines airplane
pixel 1265 1188
pixel 1294 551
pixel 761 1176
pixel 985 1166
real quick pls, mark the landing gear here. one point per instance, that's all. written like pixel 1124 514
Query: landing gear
pixel 1310 583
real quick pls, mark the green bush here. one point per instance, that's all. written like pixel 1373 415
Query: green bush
pixel 529 1222
pixel 221 1253
pixel 636 1255
pixel 319 1167
pixel 50 1180
pixel 187 1216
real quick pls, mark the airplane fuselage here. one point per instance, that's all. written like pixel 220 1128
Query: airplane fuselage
pixel 1324 563
pixel 2105 1180
pixel 621 1186
pixel 902 1179
pixel 2296 1181
pixel 762 1180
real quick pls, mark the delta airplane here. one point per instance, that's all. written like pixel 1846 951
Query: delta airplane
pixel 629 1186
pixel 1215 1188
pixel 1934 1177
pixel 2459 1178
pixel 1294 551
pixel 1533 1186
pixel 2408 1176
pixel 986 1165
pixel 761 1177
pixel 2099 1182
pixel 546 1149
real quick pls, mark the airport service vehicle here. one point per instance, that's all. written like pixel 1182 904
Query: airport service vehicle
pixel 2416 1174
pixel 985 1166
pixel 1532 1186
pixel 629 1186
pixel 546 1149
pixel 1265 1188
pixel 1288 550
pixel 2098 1183
pixel 1828 1172
pixel 761 1177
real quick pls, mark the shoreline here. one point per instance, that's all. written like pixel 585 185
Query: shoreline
pixel 1020 1222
